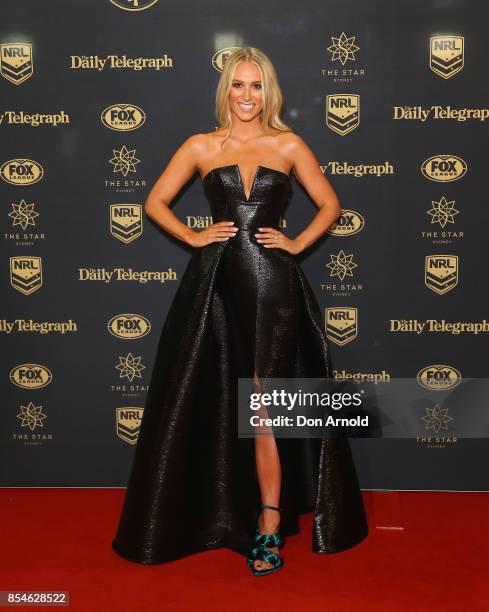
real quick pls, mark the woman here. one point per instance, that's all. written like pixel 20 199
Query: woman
pixel 243 309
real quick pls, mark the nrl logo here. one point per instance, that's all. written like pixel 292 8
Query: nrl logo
pixel 441 272
pixel 126 221
pixel 446 55
pixel 26 273
pixel 341 324
pixel 342 112
pixel 128 422
pixel 16 62
pixel 133 5
pixel 219 58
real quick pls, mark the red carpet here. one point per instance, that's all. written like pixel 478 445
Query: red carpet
pixel 59 539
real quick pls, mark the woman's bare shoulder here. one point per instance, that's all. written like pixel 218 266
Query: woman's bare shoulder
pixel 289 142
pixel 204 143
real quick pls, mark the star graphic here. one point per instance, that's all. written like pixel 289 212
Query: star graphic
pixel 23 214
pixel 341 265
pixel 343 48
pixel 130 367
pixel 124 161
pixel 436 418
pixel 31 416
pixel 443 212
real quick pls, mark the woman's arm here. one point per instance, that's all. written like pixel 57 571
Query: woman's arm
pixel 179 170
pixel 308 173
pixel 306 169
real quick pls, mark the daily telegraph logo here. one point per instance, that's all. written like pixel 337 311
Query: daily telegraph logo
pixel 358 170
pixel 348 223
pixel 420 113
pixel 16 62
pixel 34 120
pixel 30 376
pixel 31 326
pixel 220 57
pixel 441 272
pixel 21 171
pixel 443 168
pixel 119 62
pixel 128 423
pixel 134 5
pixel 446 55
pixel 126 221
pixel 26 273
pixel 342 112
pixel 123 117
pixel 341 324
pixel 129 326
pixel 439 326
pixel 439 377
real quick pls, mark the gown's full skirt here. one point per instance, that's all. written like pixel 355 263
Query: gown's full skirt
pixel 240 309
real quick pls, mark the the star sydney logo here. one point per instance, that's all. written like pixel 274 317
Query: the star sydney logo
pixel 341 265
pixel 343 48
pixel 130 367
pixel 124 160
pixel 436 418
pixel 23 214
pixel 31 416
pixel 443 212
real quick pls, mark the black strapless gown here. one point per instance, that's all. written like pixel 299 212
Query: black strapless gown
pixel 239 308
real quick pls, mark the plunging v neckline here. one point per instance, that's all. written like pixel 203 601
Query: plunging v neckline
pixel 240 177
pixel 247 197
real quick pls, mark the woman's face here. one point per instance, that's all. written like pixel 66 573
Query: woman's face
pixel 245 96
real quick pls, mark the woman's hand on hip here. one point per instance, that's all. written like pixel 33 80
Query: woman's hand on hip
pixel 216 232
pixel 272 238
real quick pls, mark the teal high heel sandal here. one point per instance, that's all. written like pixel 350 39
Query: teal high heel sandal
pixel 261 549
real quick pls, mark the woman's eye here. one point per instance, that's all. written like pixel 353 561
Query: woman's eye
pixel 255 85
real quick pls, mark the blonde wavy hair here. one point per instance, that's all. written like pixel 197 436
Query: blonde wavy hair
pixel 271 93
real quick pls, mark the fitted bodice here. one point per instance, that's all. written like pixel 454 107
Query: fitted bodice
pixel 224 189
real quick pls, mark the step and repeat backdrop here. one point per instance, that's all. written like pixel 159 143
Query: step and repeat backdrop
pixel 95 98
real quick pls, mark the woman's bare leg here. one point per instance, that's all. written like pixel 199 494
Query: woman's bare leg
pixel 269 478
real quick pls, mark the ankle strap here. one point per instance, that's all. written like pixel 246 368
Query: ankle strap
pixel 271 507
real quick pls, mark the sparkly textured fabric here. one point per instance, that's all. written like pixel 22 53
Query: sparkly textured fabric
pixel 240 308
